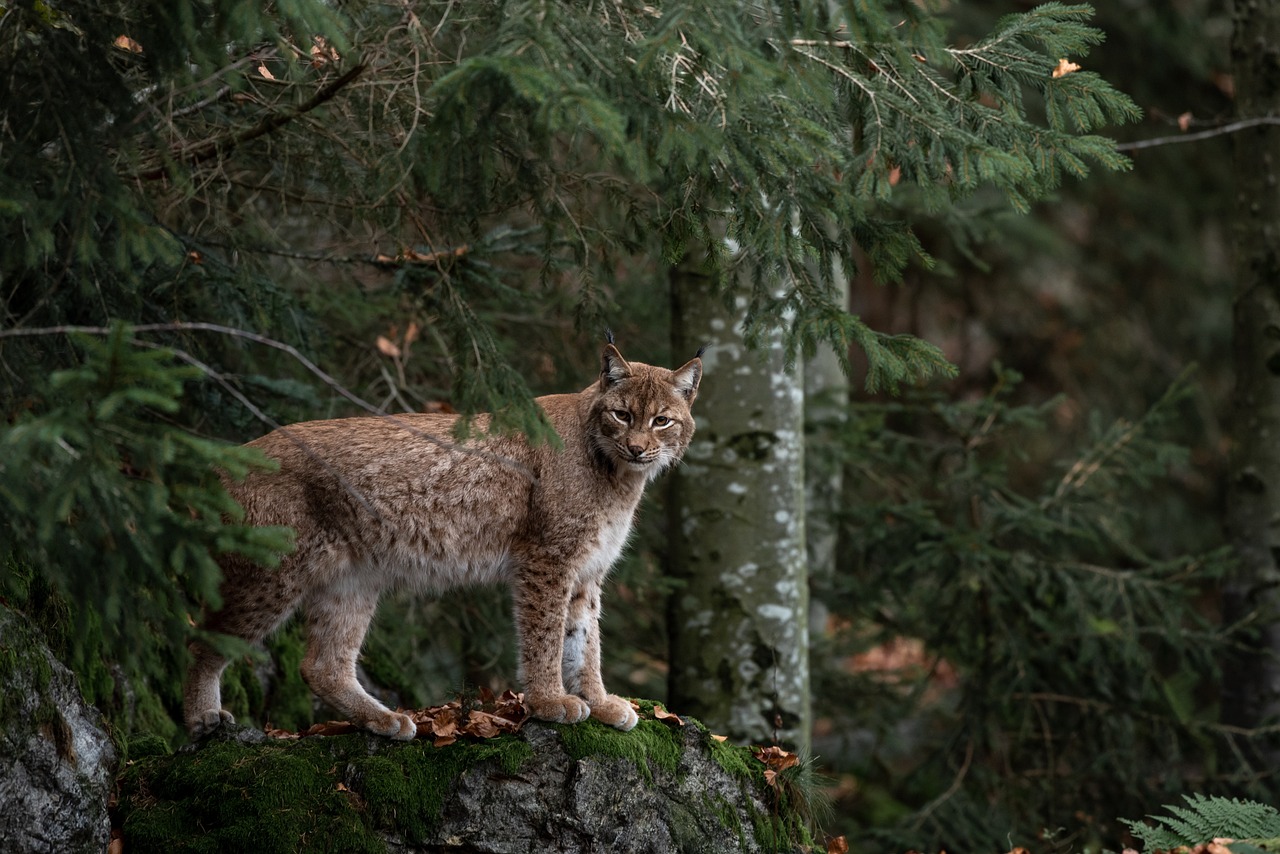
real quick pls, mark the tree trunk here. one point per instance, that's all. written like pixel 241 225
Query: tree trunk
pixel 826 402
pixel 1251 692
pixel 739 621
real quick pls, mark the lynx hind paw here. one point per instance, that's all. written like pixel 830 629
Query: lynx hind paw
pixel 565 709
pixel 208 721
pixel 616 712
pixel 393 725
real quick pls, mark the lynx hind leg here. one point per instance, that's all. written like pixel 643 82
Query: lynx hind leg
pixel 580 661
pixel 249 612
pixel 202 710
pixel 337 621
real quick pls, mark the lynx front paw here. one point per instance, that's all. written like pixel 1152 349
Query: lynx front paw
pixel 208 721
pixel 564 709
pixel 616 712
pixel 393 725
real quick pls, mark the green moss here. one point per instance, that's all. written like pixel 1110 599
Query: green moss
pixel 310 795
pixel 230 796
pixel 147 744
pixel 650 742
pixel 23 660
pixel 289 705
pixel 151 716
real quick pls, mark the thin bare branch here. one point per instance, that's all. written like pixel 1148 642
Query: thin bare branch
pixel 1232 127
pixel 291 351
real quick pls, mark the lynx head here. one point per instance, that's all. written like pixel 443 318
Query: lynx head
pixel 639 418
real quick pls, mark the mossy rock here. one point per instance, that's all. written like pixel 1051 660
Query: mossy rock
pixel 56 759
pixel 579 788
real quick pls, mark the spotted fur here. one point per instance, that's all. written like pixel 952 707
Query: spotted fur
pixel 381 503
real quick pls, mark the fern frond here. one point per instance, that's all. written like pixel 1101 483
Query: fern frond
pixel 1206 818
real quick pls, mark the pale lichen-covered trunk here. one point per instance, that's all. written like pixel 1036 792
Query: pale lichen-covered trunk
pixel 739 621
pixel 1251 691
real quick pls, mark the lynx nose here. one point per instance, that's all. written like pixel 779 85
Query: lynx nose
pixel 636 450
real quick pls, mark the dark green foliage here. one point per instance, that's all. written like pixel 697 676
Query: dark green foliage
pixel 1053 646
pixel 1205 819
pixel 471 172
pixel 112 503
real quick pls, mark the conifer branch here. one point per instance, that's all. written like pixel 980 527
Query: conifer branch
pixel 218 147
pixel 217 377
pixel 290 350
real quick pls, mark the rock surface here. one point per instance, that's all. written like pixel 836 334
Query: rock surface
pixel 583 788
pixel 57 764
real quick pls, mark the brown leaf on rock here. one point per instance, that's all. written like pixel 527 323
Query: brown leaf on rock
pixel 666 717
pixel 444 724
pixel 777 759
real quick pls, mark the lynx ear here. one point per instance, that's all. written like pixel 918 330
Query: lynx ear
pixel 613 368
pixel 687 377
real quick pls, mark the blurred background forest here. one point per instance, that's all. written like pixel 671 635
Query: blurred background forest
pixel 1015 555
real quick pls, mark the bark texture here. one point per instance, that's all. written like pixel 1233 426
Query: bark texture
pixel 739 621
pixel 1252 686
pixel 56 762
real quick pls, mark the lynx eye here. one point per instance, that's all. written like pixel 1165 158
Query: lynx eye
pixel 621 416
pixel 661 421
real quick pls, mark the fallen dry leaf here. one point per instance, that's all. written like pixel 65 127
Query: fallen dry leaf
pixel 838 845
pixel 777 759
pixel 322 52
pixel 662 714
pixel 387 347
pixel 720 738
pixel 490 717
pixel 126 43
pixel 1064 67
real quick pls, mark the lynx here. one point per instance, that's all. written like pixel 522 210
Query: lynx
pixel 383 503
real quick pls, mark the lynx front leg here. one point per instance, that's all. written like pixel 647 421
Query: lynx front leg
pixel 336 624
pixel 541 603
pixel 580 660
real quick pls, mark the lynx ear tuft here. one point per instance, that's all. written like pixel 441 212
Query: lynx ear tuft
pixel 613 368
pixel 687 377
pixel 608 335
pixel 701 350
